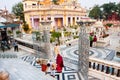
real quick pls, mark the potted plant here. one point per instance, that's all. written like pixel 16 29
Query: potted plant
pixel 18 33
pixel 10 32
pixel 26 28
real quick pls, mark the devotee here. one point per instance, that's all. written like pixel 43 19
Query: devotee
pixel 56 50
pixel 59 62
pixel 94 41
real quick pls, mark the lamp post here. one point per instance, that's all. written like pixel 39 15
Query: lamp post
pixel 83 43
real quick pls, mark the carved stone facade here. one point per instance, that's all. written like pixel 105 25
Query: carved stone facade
pixel 64 14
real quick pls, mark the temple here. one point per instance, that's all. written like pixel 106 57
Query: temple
pixel 62 13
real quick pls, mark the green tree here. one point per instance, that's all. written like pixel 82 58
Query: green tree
pixel 95 12
pixel 56 35
pixel 108 9
pixel 37 35
pixel 17 9
pixel 55 2
pixel 118 9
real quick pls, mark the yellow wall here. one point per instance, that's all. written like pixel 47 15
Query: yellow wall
pixel 47 2
pixel 30 11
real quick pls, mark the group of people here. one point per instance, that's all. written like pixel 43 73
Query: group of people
pixel 93 40
pixel 49 65
pixel 5 44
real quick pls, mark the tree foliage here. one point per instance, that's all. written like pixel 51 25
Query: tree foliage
pixel 104 11
pixel 56 35
pixel 26 27
pixel 55 2
pixel 118 9
pixel 108 9
pixel 17 9
pixel 95 12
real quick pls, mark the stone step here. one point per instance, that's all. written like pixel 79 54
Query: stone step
pixel 8 56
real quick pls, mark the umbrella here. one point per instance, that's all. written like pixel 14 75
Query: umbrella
pixel 2 25
pixel 13 25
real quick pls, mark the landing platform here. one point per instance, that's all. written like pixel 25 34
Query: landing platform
pixel 20 70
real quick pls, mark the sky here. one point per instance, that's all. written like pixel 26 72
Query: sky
pixel 84 3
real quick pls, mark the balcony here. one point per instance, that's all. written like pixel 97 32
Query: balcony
pixel 52 7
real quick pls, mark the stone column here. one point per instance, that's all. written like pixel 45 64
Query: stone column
pixel 83 50
pixel 53 21
pixel 71 21
pixel 46 35
pixel 33 23
pixel 75 20
pixel 66 21
pixel 14 33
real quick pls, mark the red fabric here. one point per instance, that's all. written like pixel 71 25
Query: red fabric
pixel 95 39
pixel 59 62
pixel 44 67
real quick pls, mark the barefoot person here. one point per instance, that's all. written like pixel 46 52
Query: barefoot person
pixel 56 50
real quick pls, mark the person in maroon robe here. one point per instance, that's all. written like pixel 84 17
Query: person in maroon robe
pixel 59 62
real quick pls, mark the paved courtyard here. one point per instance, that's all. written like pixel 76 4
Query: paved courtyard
pixel 24 64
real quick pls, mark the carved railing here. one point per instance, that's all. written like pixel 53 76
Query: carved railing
pixel 107 67
pixel 46 7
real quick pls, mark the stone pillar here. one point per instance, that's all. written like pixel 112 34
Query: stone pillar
pixel 112 73
pixel 89 64
pixel 83 50
pixel 33 23
pixel 66 21
pixel 118 73
pixel 98 66
pixel 107 70
pixel 71 21
pixel 46 36
pixel 14 33
pixel 53 21
pixel 102 69
pixel 75 20
pixel 93 65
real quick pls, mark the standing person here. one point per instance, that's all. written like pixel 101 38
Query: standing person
pixel 91 40
pixel 15 46
pixel 2 46
pixel 94 41
pixel 59 62
pixel 56 50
